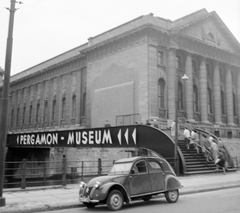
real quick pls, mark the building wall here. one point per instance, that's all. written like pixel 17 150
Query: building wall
pixel 31 100
pixel 124 69
pixel 117 73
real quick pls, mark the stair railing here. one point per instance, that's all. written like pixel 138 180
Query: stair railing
pixel 218 141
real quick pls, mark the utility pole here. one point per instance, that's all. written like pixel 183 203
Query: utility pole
pixel 5 95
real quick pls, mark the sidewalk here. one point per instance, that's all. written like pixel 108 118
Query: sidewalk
pixel 59 197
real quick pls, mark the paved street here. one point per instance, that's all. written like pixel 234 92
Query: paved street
pixel 50 198
pixel 224 200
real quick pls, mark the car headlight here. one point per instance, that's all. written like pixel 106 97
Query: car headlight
pixel 82 184
pixel 97 184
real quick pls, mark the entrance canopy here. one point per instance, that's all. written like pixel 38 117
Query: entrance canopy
pixel 121 136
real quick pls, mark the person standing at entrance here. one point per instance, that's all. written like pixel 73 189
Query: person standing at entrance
pixel 107 124
pixel 187 136
pixel 173 129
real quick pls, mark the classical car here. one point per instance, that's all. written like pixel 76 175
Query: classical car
pixel 130 179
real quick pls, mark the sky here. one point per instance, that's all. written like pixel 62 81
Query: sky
pixel 44 29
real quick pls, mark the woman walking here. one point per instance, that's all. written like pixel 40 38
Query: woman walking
pixel 221 161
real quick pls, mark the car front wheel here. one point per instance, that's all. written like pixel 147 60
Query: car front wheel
pixel 172 196
pixel 115 200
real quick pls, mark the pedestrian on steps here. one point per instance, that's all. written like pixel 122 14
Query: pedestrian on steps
pixel 187 136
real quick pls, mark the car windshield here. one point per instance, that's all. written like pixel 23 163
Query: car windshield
pixel 120 168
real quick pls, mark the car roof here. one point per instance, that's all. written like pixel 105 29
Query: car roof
pixel 132 159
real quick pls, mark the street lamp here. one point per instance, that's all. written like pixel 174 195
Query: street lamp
pixel 184 77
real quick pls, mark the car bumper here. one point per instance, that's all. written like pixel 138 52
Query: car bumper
pixel 87 200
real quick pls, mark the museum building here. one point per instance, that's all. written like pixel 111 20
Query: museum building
pixel 134 72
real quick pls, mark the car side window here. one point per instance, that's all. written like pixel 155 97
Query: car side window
pixel 155 166
pixel 140 167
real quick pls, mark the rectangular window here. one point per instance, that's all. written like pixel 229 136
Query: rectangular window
pixel 178 62
pixel 160 58
pixel 209 73
pixel 194 66
pixel 38 113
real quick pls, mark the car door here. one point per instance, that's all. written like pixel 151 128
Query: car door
pixel 139 179
pixel 156 175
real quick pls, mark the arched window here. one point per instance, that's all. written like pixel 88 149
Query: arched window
pixel 161 92
pixel 234 105
pixel 24 114
pixel 180 96
pixel 38 113
pixel 18 116
pixel 45 111
pixel 195 98
pixel 30 114
pixel 12 117
pixel 211 36
pixel 84 104
pixel 223 102
pixel 63 108
pixel 209 101
pixel 74 106
pixel 54 109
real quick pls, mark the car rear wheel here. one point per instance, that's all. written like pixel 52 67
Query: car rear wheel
pixel 172 196
pixel 89 205
pixel 115 200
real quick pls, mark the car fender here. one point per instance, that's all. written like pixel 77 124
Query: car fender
pixel 102 192
pixel 171 182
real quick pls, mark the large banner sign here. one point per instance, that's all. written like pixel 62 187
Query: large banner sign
pixel 100 137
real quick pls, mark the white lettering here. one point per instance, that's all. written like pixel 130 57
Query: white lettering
pixel 84 137
pixel 49 139
pixel 55 138
pixel 91 137
pixel 106 137
pixel 33 139
pixel 43 139
pixel 78 138
pixel 70 138
pixel 98 137
pixel 38 140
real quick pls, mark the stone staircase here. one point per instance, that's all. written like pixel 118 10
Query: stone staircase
pixel 195 162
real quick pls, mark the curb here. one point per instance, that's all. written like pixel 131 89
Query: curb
pixel 77 205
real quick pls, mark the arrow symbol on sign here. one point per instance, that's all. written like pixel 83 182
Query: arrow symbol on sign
pixel 126 135
pixel 120 137
pixel 134 136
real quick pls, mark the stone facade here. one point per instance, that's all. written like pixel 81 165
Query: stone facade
pixel 134 72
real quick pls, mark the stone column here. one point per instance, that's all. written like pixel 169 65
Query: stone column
pixel 238 96
pixel 171 75
pixel 189 88
pixel 217 95
pixel 203 91
pixel 229 96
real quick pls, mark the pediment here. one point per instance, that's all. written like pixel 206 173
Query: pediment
pixel 211 30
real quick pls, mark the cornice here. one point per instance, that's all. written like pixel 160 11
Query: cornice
pixel 47 69
pixel 121 36
pixel 199 47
